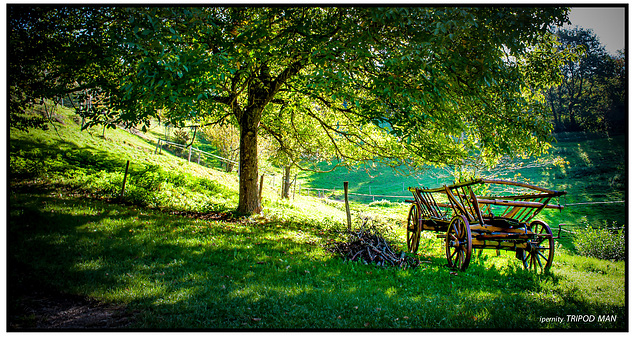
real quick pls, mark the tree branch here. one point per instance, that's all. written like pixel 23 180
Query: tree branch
pixel 228 100
pixel 217 122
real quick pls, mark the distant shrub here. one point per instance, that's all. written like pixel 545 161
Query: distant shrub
pixel 180 136
pixel 601 243
pixel 381 203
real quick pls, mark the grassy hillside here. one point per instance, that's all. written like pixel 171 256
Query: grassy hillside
pixel 170 254
pixel 593 174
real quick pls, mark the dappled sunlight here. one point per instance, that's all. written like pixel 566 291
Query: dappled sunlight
pixel 90 265
pixel 260 273
pixel 257 291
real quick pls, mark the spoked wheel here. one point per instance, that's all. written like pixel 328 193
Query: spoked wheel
pixel 458 243
pixel 414 228
pixel 539 253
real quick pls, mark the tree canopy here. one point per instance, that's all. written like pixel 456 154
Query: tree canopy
pixel 407 86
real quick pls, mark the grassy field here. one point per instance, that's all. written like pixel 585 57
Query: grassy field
pixel 593 174
pixel 273 273
pixel 171 254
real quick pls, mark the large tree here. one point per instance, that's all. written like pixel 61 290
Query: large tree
pixel 415 86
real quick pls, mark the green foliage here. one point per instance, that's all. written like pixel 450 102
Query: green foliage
pixel 592 94
pixel 405 86
pixel 96 170
pixel 601 243
pixel 600 180
pixel 266 271
pixel 56 52
pixel 181 136
pixel 226 140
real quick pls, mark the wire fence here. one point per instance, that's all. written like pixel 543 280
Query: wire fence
pixel 336 192
pixel 597 202
pixel 195 155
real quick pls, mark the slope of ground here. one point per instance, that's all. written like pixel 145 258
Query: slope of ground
pixel 170 254
pixel 592 168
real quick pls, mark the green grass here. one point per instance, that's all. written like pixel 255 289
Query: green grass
pixel 594 170
pixel 68 231
pixel 270 273
pixel 87 163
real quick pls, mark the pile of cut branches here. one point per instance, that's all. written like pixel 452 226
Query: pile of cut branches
pixel 369 246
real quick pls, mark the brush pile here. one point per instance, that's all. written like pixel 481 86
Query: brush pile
pixel 369 247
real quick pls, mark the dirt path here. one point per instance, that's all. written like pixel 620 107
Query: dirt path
pixel 34 306
pixel 51 311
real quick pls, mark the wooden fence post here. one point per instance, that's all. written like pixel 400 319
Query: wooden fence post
pixel 295 179
pixel 260 190
pixel 346 204
pixel 157 146
pixel 124 180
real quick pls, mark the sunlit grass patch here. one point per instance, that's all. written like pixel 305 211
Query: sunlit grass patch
pixel 266 271
pixel 176 272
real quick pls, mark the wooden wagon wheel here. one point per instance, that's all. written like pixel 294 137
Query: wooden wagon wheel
pixel 458 243
pixel 539 253
pixel 414 228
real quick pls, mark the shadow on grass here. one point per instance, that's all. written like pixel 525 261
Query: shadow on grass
pixel 177 273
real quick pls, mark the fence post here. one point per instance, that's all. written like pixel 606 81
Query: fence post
pixel 260 191
pixel 346 204
pixel 189 154
pixel 295 179
pixel 124 180
pixel 157 146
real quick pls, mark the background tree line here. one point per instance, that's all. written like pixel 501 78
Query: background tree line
pixel 592 95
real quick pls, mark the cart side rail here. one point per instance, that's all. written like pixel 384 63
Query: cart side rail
pixel 519 184
pixel 520 207
pixel 427 206
pixel 464 202
pixel 516 203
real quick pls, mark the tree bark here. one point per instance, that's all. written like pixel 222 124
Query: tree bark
pixel 286 186
pixel 249 200
pixel 260 91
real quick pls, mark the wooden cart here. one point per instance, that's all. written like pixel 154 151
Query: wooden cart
pixel 499 219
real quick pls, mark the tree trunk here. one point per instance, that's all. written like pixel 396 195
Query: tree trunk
pixel 228 167
pixel 286 183
pixel 260 91
pixel 572 118
pixel 249 201
pixel 556 120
